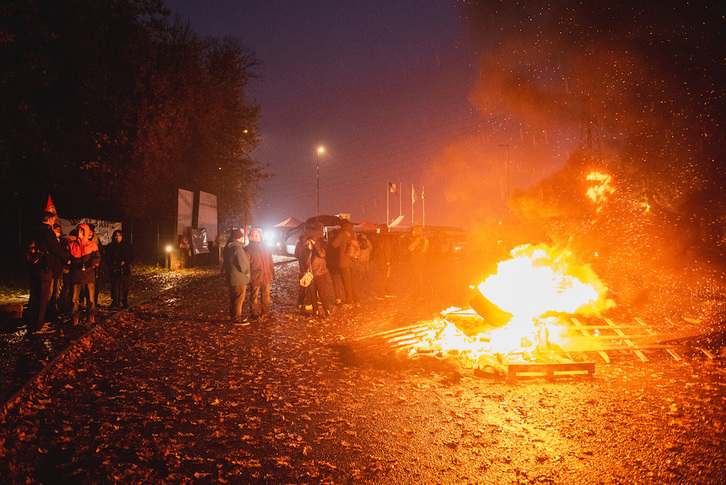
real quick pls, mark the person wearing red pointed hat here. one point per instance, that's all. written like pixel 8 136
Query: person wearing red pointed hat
pixel 84 259
pixel 50 206
pixel 42 272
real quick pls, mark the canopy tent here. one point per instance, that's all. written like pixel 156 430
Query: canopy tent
pixel 366 226
pixel 289 223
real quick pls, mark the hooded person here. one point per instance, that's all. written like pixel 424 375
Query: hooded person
pixel 262 272
pixel 236 269
pixel 84 260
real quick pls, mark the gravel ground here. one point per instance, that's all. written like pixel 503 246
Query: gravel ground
pixel 171 392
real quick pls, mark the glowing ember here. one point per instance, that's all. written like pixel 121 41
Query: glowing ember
pixel 601 190
pixel 539 285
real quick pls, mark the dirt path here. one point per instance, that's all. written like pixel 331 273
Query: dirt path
pixel 171 392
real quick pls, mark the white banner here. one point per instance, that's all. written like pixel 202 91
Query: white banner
pixel 104 229
pixel 208 214
pixel 185 210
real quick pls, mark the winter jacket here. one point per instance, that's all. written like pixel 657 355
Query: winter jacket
pixel 235 264
pixel 56 255
pixel 84 259
pixel 318 265
pixel 118 257
pixel 262 268
pixel 341 241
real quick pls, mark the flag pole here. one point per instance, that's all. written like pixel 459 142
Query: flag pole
pixel 423 208
pixel 388 195
pixel 400 200
pixel 413 200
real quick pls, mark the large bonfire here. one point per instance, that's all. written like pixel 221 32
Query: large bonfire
pixel 522 309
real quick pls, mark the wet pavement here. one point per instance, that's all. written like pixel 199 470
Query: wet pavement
pixel 172 392
pixel 24 355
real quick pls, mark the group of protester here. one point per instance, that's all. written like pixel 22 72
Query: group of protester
pixel 64 270
pixel 339 262
pixel 331 266
pixel 64 276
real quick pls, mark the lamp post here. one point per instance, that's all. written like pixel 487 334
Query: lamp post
pixel 507 166
pixel 317 177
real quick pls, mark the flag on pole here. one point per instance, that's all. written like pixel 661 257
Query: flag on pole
pixel 50 207
pixel 393 188
pixel 413 195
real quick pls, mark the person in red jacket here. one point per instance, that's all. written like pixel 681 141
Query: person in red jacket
pixel 84 260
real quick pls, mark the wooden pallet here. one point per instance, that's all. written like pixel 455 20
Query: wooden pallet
pixel 602 337
pixel 550 370
pixel 637 339
pixel 396 339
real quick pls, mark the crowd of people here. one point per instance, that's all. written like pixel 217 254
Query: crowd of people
pixel 63 272
pixel 343 260
pixel 333 262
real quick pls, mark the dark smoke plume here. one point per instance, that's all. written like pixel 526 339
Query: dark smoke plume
pixel 636 90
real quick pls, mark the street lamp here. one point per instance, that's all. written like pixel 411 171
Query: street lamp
pixel 507 145
pixel 317 176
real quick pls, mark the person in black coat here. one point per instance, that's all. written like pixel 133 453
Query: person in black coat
pixel 118 256
pixel 43 271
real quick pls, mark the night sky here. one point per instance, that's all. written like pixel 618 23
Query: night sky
pixel 443 94
pixel 382 86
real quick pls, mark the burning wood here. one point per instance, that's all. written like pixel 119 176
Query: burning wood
pixel 529 313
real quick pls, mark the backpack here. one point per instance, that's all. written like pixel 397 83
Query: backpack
pixel 364 244
pixel 352 250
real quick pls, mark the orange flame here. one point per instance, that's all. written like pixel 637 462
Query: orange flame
pixel 537 285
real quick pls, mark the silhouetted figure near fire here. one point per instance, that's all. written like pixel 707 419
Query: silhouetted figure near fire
pixel 417 249
pixel 383 255
pixel 344 242
pixel 332 258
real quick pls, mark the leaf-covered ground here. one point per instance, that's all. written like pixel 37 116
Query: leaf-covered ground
pixel 23 356
pixel 172 392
